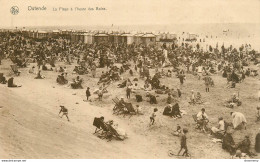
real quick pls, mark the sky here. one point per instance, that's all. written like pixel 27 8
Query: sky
pixel 130 12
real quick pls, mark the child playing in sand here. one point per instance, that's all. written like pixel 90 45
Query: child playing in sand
pixel 184 143
pixel 152 117
pixel 64 112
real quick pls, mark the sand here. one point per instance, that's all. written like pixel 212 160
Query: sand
pixel 31 128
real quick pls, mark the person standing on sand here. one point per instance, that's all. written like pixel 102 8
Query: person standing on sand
pixel 184 143
pixel 64 111
pixel 182 78
pixel 152 117
pixel 207 82
pixel 93 70
pixel 128 92
pixel 88 93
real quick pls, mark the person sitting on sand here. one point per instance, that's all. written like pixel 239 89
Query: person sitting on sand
pixel 10 83
pixel 2 79
pixel 61 79
pixel 77 83
pixel 169 98
pixel 202 119
pixel 221 126
pixel 31 70
pixel 169 73
pixel 228 143
pixel 176 113
pixel 168 110
pixel 64 111
pixel 244 146
pixel 152 98
pixel 198 98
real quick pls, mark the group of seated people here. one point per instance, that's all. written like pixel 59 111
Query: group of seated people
pixel 172 111
pixel 240 149
pixel 61 79
pixel 111 75
pixel 195 98
pixel 233 101
pixel 151 98
pixel 80 70
pixel 76 84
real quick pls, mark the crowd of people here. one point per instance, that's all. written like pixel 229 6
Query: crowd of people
pixel 139 58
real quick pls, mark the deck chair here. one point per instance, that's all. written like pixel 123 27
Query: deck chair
pixel 112 133
pixel 116 107
pixel 130 109
pixel 100 126
pixel 15 70
pixel 198 124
